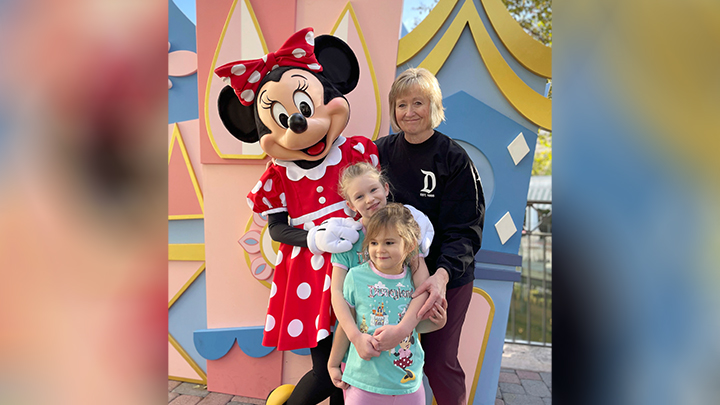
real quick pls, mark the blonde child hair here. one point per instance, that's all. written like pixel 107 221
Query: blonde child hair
pixel 356 170
pixel 394 216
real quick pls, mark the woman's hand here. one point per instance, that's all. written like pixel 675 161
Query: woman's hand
pixel 366 346
pixel 389 336
pixel 435 285
pixel 336 377
pixel 438 314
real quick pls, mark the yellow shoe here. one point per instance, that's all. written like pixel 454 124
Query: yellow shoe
pixel 408 377
pixel 279 395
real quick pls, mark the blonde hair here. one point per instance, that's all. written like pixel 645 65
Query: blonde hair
pixel 417 79
pixel 394 216
pixel 356 170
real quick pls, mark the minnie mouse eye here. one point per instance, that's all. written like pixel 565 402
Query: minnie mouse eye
pixel 280 115
pixel 304 103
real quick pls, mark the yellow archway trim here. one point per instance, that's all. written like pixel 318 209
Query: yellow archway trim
pixel 488 326
pixel 186 285
pixel 196 185
pixel 192 216
pixel 190 361
pixel 188 252
pixel 210 77
pixel 532 54
pixel 188 380
pixel 349 9
pixel 530 104
pixel 415 40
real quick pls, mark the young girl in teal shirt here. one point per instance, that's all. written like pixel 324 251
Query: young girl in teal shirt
pixel 373 301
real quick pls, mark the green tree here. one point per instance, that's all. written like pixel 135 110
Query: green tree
pixel 535 16
pixel 542 165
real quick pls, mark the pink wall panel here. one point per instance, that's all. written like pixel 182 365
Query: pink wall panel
pixel 241 40
pixel 211 17
pixel 363 105
pixel 319 14
pixel 178 274
pixel 472 338
pixel 182 198
pixel 276 19
pixel 235 298
pixel 179 367
pixel 190 131
pixel 239 374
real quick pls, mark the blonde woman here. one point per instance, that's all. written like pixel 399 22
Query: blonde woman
pixel 431 172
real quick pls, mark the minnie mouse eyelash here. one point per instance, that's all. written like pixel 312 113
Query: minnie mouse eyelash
pixel 266 104
pixel 302 85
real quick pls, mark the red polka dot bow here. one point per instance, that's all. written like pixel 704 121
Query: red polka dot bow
pixel 244 76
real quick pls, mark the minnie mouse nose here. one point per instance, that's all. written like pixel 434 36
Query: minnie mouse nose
pixel 297 123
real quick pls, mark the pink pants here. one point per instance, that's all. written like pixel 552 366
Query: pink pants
pixel 356 396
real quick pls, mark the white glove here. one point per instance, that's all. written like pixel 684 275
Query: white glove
pixel 334 235
pixel 427 232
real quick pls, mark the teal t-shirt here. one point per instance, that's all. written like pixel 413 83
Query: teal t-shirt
pixel 352 257
pixel 381 299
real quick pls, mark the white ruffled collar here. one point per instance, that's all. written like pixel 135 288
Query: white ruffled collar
pixel 296 173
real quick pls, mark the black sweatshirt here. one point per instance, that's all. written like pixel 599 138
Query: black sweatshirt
pixel 438 178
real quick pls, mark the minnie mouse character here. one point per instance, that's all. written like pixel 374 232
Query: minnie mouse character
pixel 404 358
pixel 292 102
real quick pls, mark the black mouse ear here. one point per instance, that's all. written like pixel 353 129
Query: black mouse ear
pixel 340 66
pixel 237 118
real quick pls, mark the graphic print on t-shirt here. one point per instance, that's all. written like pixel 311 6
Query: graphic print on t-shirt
pixel 380 301
pixel 429 183
pixel 363 326
pixel 362 257
pixel 380 293
pixel 404 358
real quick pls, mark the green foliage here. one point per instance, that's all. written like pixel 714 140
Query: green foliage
pixel 535 16
pixel 539 303
pixel 542 166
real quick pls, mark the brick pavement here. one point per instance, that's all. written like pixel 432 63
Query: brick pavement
pixel 515 387
pixel 194 394
pixel 523 387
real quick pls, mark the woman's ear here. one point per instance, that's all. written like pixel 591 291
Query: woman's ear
pixel 237 118
pixel 350 206
pixel 340 66
pixel 387 190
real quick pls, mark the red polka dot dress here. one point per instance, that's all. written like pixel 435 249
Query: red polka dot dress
pixel 404 361
pixel 299 310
